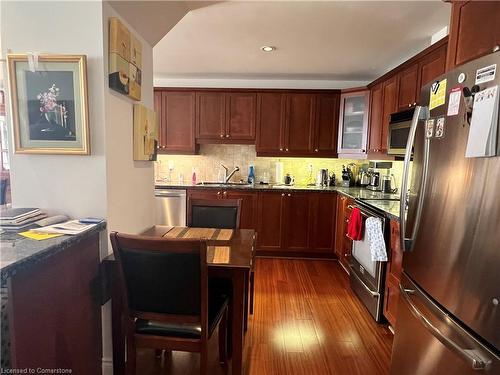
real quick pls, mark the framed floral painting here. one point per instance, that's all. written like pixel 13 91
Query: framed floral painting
pixel 49 103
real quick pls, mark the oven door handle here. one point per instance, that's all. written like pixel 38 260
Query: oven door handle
pixel 373 294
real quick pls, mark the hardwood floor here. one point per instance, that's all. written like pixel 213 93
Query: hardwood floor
pixel 306 321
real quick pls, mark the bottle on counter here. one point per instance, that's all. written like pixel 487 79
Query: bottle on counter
pixel 193 177
pixel 251 175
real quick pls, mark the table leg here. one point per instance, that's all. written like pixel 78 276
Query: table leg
pixel 118 334
pixel 238 306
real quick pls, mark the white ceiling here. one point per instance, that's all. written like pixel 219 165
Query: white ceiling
pixel 344 41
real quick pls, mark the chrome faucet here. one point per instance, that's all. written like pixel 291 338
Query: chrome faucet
pixel 227 177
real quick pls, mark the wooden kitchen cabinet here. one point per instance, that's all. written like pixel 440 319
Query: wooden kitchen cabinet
pixel 241 108
pixel 431 66
pixel 296 223
pixel 353 122
pixel 408 87
pixel 394 268
pixel 299 123
pixel 203 193
pixel 326 124
pixel 210 115
pixel 270 221
pixel 270 123
pixel 376 114
pixel 323 221
pixel 176 114
pixel 390 106
pixel 474 31
pixel 297 219
pixel 248 206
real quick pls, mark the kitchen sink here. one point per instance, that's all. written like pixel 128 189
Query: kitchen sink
pixel 223 184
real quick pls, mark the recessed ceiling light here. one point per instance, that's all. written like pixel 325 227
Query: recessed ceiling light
pixel 268 48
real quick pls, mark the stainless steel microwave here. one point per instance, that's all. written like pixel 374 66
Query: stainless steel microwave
pixel 399 129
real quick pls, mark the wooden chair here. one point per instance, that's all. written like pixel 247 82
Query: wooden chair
pixel 167 305
pixel 214 213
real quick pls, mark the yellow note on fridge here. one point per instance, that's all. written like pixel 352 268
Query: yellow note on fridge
pixel 39 236
pixel 438 94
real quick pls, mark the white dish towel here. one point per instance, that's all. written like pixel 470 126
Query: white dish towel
pixel 373 227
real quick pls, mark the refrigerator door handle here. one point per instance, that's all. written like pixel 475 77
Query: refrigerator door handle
pixel 421 113
pixel 474 357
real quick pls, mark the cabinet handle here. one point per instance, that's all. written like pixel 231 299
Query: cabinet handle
pixel 227 135
pixel 224 193
pixel 281 149
pixel 289 194
pixel 218 193
pixel 282 194
pixel 316 150
pixel 222 135
pixel 414 103
pixel 346 255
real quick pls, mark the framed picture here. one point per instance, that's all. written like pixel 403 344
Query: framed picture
pixel 125 60
pixel 49 104
pixel 145 133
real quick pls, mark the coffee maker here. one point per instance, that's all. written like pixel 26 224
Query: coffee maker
pixel 375 172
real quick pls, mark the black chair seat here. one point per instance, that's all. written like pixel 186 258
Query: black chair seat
pixel 216 305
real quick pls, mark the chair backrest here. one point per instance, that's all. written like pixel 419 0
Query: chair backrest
pixel 214 213
pixel 162 276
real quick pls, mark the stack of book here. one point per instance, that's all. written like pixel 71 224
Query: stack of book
pixel 16 219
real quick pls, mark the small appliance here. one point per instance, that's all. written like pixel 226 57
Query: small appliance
pixel 399 128
pixel 375 171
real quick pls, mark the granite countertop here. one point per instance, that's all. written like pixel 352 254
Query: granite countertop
pixel 381 201
pixel 17 251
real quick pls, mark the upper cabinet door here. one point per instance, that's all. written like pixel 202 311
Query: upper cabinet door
pixel 299 123
pixel 408 87
pixel 474 30
pixel 376 113
pixel 210 119
pixel 240 116
pixel 270 122
pixel 177 121
pixel 353 122
pixel 325 131
pixel 390 106
pixel 432 66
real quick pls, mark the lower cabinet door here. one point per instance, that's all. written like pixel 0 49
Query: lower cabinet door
pixel 270 220
pixel 297 212
pixel 323 222
pixel 391 298
pixel 248 207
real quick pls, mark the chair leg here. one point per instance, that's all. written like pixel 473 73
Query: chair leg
pixel 252 289
pixel 204 359
pixel 131 356
pixel 223 339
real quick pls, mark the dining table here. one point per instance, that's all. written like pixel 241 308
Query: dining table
pixel 230 254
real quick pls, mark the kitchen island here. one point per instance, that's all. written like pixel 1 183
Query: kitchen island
pixel 50 300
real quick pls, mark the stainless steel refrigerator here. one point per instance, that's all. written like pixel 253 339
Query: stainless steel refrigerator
pixel 448 319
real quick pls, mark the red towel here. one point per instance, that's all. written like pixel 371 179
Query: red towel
pixel 355 225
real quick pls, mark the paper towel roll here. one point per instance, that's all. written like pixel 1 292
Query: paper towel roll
pixel 279 173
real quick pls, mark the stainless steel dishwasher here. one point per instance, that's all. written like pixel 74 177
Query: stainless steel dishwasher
pixel 170 207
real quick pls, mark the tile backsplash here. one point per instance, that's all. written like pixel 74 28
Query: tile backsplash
pixel 207 165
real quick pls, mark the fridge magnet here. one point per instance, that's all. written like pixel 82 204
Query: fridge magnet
pixel 439 133
pixel 454 101
pixel 429 128
pixel 125 60
pixel 145 133
pixel 486 74
pixel 438 94
pixel 49 104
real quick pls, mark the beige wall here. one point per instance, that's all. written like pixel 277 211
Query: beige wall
pixel 207 164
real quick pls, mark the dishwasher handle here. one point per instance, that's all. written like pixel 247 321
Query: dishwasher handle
pixel 161 193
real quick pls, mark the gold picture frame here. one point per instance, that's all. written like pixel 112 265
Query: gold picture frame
pixel 49 103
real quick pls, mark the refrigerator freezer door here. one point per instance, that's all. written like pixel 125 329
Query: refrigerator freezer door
pixel 429 342
pixel 455 253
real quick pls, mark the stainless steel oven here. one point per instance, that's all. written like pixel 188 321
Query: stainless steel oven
pixel 367 276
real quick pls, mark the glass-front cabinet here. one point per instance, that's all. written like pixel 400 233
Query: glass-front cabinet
pixel 353 122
